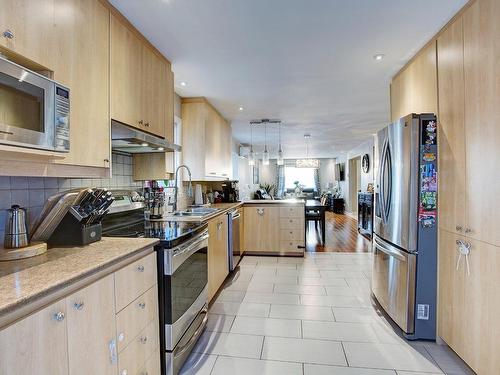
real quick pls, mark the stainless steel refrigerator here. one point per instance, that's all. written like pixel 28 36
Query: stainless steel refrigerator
pixel 404 278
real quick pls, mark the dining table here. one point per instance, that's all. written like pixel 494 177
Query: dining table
pixel 315 206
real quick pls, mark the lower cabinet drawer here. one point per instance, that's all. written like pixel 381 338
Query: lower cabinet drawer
pixel 133 318
pixel 291 234
pixel 152 365
pixel 292 223
pixel 297 211
pixel 291 246
pixel 134 279
pixel 139 350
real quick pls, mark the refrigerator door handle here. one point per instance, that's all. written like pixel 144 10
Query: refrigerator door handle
pixel 381 182
pixel 390 250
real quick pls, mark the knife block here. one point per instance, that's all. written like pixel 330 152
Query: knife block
pixel 71 232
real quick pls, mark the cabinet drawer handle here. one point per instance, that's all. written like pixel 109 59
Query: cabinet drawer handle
pixel 79 305
pixel 140 268
pixel 291 232
pixel 141 122
pixel 59 316
pixel 260 211
pixel 468 230
pixel 459 228
pixel 142 305
pixel 8 34
pixel 146 124
pixel 291 221
pixel 143 339
pixel 113 355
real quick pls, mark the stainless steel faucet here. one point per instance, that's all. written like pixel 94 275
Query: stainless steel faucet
pixel 176 188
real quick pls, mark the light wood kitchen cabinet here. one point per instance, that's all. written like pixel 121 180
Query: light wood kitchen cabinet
pixel 27 28
pixel 262 228
pixel 82 29
pixel 414 89
pixel 92 329
pixel 141 83
pixel 157 166
pixel 482 119
pixel 36 344
pixel 218 261
pixel 451 129
pixel 206 140
pixel 451 306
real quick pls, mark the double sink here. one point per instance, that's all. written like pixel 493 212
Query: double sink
pixel 196 212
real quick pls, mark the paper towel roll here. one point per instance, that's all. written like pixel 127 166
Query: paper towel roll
pixel 198 195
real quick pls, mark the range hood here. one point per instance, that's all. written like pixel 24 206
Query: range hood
pixel 130 140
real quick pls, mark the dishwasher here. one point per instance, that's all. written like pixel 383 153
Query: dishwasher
pixel 234 246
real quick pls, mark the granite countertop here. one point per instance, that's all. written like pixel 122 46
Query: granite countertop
pixel 276 201
pixel 25 281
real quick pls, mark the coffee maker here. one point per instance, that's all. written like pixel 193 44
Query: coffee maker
pixel 230 191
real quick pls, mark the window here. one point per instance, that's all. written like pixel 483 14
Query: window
pixel 305 176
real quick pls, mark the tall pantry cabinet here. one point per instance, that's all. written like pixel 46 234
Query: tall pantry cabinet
pixel 469 208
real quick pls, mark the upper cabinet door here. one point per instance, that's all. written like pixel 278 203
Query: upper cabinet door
pixel 482 119
pixel 154 76
pixel 92 329
pixel 452 132
pixel 29 30
pixel 82 29
pixel 126 75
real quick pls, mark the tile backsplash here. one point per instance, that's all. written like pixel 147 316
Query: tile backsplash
pixel 32 192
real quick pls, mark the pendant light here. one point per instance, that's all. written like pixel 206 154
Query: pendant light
pixel 251 155
pixel 307 163
pixel 265 154
pixel 280 160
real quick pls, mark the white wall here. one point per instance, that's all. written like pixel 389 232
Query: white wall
pixel 366 178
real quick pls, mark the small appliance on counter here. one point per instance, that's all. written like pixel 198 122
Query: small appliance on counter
pixel 230 192
pixel 154 197
pixel 16 241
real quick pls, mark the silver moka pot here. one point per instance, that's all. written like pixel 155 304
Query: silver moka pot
pixel 16 229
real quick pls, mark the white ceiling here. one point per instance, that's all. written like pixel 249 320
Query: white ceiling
pixel 308 62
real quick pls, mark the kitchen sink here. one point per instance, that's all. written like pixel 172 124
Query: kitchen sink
pixel 197 212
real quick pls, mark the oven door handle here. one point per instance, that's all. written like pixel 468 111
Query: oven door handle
pixel 196 334
pixel 193 245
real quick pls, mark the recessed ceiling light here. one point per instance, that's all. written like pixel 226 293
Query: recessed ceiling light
pixel 241 108
pixel 378 56
pixel 183 83
pixel 144 144
pixel 307 136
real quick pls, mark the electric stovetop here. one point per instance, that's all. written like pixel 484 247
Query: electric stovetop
pixel 170 233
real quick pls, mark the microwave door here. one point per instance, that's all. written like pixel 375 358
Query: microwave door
pixel 26 108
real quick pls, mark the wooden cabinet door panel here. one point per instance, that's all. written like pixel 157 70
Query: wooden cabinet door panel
pixel 452 130
pixel 126 86
pixel 82 29
pixel 218 262
pixel 32 25
pixel 451 306
pixel 36 344
pixel 482 119
pixel 92 329
pixel 482 288
pixel 262 229
pixel 153 102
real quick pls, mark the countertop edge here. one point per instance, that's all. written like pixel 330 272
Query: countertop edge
pixel 23 307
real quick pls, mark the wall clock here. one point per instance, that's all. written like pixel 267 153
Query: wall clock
pixel 365 163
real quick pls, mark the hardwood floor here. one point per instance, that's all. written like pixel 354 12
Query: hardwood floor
pixel 341 236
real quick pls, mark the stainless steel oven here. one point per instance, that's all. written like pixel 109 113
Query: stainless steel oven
pixel 34 110
pixel 183 296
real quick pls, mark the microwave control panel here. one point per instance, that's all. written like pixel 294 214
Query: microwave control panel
pixel 62 119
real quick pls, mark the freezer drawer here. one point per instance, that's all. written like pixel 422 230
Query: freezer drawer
pixel 393 282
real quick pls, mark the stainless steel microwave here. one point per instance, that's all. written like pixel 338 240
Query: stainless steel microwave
pixel 34 110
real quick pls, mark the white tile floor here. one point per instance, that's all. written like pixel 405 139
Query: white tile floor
pixel 308 316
